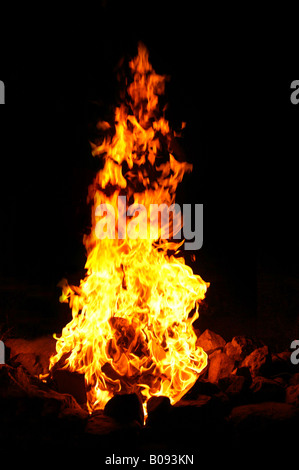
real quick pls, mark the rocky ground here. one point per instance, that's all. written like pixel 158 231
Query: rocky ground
pixel 247 400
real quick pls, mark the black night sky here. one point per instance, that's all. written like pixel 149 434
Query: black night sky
pixel 241 136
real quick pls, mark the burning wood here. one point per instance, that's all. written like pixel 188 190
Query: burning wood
pixel 131 330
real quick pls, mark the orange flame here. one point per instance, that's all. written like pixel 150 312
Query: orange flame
pixel 132 315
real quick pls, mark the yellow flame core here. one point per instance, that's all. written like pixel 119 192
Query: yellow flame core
pixel 132 315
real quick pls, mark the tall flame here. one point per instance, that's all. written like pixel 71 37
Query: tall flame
pixel 132 315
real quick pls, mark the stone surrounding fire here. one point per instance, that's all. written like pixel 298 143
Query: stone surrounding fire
pixel 246 393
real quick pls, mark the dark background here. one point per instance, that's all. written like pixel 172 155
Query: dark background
pixel 233 90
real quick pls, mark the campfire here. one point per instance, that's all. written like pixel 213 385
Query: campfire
pixel 149 365
pixel 133 313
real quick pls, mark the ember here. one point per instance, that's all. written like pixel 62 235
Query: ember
pixel 132 315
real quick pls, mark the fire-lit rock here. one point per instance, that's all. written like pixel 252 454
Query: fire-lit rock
pixel 188 411
pixel 30 362
pixel 294 379
pixel 240 347
pixel 233 385
pixel 158 409
pixel 244 372
pixel 262 416
pixel 71 383
pixel 292 395
pixel 209 341
pixel 264 389
pixel 24 396
pixel 103 432
pixel 100 424
pixel 220 365
pixel 125 408
pixel 201 387
pixel 238 406
pixel 281 363
pixel 32 354
pixel 258 361
pixel 13 382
